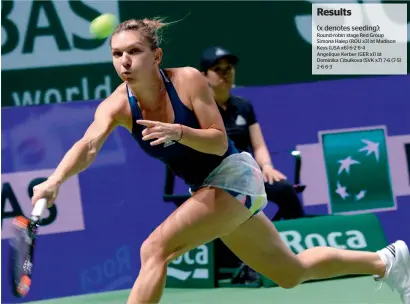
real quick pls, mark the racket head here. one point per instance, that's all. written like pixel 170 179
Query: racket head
pixel 21 255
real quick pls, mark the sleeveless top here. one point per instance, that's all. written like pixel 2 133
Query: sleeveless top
pixel 189 164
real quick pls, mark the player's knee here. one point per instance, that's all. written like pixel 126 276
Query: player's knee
pixel 152 253
pixel 289 282
pixel 292 278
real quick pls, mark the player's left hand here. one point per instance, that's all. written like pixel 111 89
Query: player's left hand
pixel 271 175
pixel 162 132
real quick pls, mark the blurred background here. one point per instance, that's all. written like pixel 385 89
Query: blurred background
pixel 54 74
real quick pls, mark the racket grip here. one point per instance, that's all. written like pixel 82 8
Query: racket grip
pixel 39 207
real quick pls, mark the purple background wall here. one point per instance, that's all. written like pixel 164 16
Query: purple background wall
pixel 119 211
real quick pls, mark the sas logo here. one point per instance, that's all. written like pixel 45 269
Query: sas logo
pixel 52 33
pixel 16 191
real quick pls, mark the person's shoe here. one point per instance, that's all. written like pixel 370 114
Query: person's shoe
pixel 397 259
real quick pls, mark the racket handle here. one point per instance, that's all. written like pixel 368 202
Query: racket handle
pixel 39 208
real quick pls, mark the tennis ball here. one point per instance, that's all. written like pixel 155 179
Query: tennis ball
pixel 103 26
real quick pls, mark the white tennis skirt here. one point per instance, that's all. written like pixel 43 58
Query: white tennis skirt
pixel 240 175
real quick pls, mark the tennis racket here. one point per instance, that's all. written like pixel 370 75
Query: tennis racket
pixel 22 249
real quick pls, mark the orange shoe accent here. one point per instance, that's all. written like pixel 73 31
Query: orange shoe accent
pixel 21 221
pixel 24 286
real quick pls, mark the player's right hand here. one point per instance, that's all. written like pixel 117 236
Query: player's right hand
pixel 48 190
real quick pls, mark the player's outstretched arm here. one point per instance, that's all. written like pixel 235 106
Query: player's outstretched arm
pixel 81 155
pixel 84 151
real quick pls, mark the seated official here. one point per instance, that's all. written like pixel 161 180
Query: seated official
pixel 242 127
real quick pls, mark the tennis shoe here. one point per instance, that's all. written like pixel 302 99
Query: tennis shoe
pixel 396 256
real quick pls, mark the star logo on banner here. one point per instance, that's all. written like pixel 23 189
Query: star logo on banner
pixel 360 195
pixel 341 191
pixel 345 164
pixel 346 167
pixel 371 147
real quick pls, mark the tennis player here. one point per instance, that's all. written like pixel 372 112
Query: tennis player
pixel 174 118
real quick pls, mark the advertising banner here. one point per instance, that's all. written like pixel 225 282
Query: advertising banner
pixel 194 269
pixel 48 54
pixel 353 232
pixel 351 158
pixel 16 195
pixel 48 42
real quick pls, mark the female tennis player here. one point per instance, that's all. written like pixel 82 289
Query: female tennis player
pixel 174 118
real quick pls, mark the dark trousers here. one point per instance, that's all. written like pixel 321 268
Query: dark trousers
pixel 285 197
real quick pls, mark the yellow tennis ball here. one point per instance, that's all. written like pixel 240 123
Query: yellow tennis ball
pixel 103 26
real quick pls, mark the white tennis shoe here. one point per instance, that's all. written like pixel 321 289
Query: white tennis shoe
pixel 396 256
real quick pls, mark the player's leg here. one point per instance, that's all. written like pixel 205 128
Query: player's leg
pixel 258 244
pixel 208 214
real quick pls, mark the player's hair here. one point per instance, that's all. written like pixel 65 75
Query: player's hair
pixel 151 29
